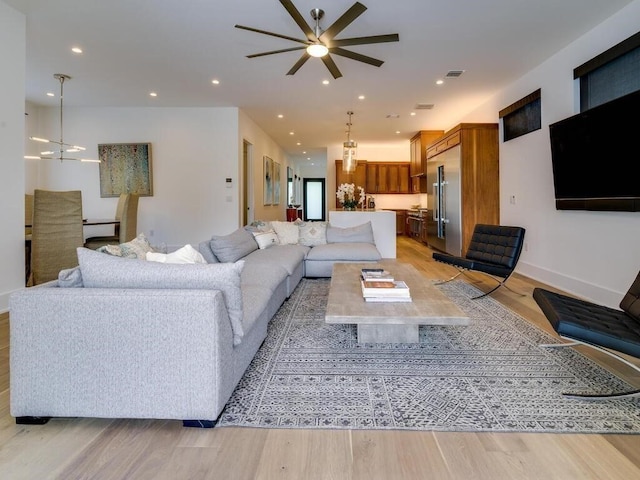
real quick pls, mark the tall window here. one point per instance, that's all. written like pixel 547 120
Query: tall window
pixel 612 74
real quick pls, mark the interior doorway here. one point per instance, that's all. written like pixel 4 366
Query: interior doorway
pixel 247 211
pixel 313 199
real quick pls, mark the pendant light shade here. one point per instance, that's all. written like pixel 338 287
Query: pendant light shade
pixel 349 151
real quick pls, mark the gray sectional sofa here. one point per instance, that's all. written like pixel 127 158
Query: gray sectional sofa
pixel 123 337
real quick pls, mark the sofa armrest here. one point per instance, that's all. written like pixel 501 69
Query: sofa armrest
pixel 118 353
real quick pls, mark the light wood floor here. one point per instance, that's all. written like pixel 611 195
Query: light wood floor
pixel 157 449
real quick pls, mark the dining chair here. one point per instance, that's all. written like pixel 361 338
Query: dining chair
pixel 127 215
pixel 56 233
pixel 28 220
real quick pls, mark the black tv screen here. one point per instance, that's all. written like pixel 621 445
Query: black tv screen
pixel 595 158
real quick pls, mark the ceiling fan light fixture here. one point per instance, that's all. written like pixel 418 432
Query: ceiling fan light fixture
pixel 317 50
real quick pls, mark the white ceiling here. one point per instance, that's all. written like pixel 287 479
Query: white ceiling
pixel 176 47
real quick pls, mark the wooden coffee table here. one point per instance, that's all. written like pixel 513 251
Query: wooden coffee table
pixel 388 322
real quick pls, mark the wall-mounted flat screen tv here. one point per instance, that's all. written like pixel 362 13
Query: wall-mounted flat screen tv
pixel 596 157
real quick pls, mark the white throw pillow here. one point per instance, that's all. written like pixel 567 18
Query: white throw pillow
pixel 288 232
pixel 266 239
pixel 313 233
pixel 186 254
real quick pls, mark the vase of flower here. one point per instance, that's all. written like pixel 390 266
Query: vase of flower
pixel 346 195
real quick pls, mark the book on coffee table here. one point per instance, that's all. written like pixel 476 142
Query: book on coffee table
pixel 387 299
pixel 395 289
pixel 377 274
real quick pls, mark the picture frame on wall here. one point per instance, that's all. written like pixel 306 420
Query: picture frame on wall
pixel 125 168
pixel 276 183
pixel 268 180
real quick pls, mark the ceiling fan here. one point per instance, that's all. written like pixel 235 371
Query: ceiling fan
pixel 321 43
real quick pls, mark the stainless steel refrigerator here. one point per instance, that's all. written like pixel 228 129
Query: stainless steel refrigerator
pixel 444 222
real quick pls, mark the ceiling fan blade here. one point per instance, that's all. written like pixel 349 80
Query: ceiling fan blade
pixel 356 56
pixel 345 42
pixel 331 65
pixel 251 29
pixel 274 51
pixel 295 14
pixel 341 23
pixel 301 61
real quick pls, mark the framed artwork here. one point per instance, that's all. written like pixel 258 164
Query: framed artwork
pixel 125 168
pixel 268 180
pixel 276 183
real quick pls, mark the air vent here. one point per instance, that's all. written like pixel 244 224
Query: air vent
pixel 393 115
pixel 424 106
pixel 454 73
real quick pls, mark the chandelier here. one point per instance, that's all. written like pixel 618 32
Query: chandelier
pixel 62 149
pixel 349 151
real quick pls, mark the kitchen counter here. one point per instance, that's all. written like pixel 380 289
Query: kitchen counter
pixel 383 223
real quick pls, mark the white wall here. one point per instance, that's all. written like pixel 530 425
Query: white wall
pixel 261 145
pixel 592 254
pixel 12 93
pixel 193 150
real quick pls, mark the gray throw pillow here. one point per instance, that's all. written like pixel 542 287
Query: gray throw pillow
pixel 233 247
pixel 100 270
pixel 70 278
pixel 359 234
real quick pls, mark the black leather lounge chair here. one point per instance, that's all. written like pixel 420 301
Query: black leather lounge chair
pixel 494 250
pixel 600 327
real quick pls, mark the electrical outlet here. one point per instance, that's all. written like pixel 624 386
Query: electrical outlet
pixel 512 199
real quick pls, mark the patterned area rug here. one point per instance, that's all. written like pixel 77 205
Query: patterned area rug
pixel 488 376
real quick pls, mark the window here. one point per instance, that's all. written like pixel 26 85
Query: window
pixel 521 117
pixel 612 74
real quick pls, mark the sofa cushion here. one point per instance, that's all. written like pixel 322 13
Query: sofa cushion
pixel 136 248
pixel 360 233
pixel 204 248
pixel 231 248
pixel 351 252
pixel 186 254
pixel 106 271
pixel 265 239
pixel 287 256
pixel 312 233
pixel 288 232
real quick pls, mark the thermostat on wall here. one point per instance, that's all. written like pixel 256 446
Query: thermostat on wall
pixel 229 182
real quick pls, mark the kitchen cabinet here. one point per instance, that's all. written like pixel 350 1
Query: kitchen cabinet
pixel 463 175
pixel 388 177
pixel 418 167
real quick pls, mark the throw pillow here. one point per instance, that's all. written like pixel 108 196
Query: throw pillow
pixel 136 248
pixel 107 271
pixel 186 254
pixel 288 232
pixel 231 248
pixel 313 233
pixel 266 239
pixel 359 234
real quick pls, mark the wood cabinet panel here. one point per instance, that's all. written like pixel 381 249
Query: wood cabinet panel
pixel 418 167
pixel 391 177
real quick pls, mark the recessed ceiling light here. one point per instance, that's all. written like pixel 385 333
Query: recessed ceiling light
pixel 280 115
pixel 153 94
pixel 325 82
pixel 397 132
pixel 361 97
pixel 215 81
pixel 439 82
pixel 304 152
pixel 51 94
pixel 76 50
pixel 413 114
pixel 291 133
pixel 298 143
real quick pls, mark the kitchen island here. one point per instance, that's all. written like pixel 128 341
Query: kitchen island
pixel 383 223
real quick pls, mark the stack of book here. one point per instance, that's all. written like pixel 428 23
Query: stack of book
pixel 378 285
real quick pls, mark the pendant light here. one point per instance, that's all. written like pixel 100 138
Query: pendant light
pixel 62 148
pixel 349 151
